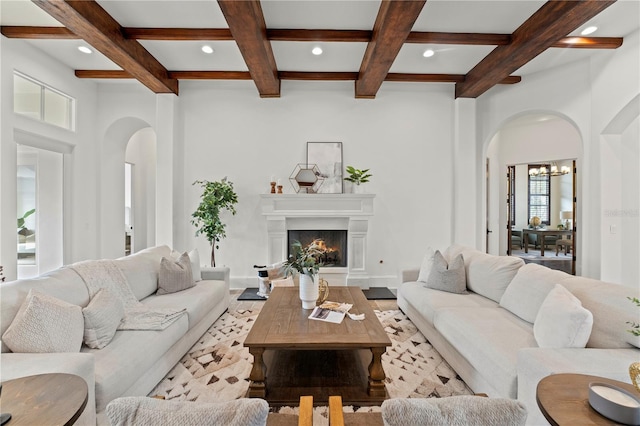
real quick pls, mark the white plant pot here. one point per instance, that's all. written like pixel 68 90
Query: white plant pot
pixel 358 189
pixel 308 291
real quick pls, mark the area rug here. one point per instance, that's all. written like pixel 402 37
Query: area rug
pixel 217 367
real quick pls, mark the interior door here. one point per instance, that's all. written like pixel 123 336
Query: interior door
pixel 511 172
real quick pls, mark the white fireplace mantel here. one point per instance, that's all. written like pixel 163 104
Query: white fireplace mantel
pixel 322 211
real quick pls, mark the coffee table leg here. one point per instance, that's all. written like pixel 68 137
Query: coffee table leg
pixel 258 384
pixel 376 374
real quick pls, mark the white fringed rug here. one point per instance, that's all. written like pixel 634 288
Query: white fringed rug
pixel 217 367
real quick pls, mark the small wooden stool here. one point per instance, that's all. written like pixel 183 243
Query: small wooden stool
pixel 567 244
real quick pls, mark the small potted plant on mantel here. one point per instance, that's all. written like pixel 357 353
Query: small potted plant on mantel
pixel 357 177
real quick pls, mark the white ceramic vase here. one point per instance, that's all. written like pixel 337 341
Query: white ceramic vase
pixel 308 291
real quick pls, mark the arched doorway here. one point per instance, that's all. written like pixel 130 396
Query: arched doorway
pixel 112 185
pixel 523 142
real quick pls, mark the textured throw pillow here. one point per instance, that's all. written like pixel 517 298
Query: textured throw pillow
pixel 45 324
pixel 562 322
pixel 455 410
pixel 194 258
pixel 175 275
pixel 427 264
pixel 142 411
pixel 447 277
pixel 101 319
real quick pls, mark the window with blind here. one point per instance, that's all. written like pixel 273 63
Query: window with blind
pixel 540 195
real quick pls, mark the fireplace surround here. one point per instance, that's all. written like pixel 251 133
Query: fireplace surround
pixel 313 212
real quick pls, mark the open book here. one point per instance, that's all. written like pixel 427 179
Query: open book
pixel 330 312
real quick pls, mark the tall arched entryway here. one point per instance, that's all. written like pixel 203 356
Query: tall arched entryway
pixel 523 143
pixel 129 140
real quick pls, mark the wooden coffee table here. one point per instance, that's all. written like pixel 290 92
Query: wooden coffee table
pixel 51 399
pixel 300 356
pixel 564 399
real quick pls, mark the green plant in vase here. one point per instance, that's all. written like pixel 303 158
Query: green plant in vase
pixel 305 261
pixel 216 197
pixel 357 177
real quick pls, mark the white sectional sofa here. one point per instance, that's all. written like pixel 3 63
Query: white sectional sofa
pixel 487 334
pixel 134 361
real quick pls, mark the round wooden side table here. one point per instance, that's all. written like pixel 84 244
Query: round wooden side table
pixel 564 399
pixel 51 399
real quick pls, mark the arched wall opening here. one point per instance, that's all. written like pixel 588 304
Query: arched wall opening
pixel 532 137
pixel 115 148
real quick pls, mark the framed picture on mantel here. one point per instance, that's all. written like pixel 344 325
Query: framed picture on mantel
pixel 328 157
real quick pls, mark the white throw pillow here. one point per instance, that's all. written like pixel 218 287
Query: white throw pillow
pixel 143 411
pixel 453 410
pixel 447 276
pixel 425 267
pixel 45 324
pixel 562 322
pixel 194 258
pixel 175 275
pixel 101 319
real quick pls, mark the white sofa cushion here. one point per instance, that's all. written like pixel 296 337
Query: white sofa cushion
pixel 489 339
pixel 427 301
pixel 194 258
pixel 141 269
pixel 142 411
pixel 529 288
pixel 487 275
pixel 101 319
pixel 175 276
pixel 562 322
pixel 610 308
pixel 45 324
pixel 453 411
pixel 447 276
pixel 131 353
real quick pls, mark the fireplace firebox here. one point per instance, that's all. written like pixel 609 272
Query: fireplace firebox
pixel 333 243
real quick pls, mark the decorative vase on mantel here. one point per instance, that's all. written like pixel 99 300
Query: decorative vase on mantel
pixel 308 291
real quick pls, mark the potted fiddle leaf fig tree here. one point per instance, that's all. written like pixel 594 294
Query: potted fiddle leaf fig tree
pixel 216 197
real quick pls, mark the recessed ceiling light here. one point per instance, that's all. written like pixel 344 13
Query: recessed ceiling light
pixel 207 49
pixel 428 53
pixel 589 30
pixel 317 50
pixel 84 49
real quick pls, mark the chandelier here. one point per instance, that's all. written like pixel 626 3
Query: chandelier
pixel 552 170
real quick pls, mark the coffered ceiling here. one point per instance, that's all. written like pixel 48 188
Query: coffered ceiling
pixel 476 44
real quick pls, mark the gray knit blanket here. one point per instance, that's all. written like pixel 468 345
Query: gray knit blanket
pixel 99 274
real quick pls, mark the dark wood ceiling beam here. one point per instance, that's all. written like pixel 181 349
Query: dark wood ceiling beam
pixel 91 22
pixel 178 34
pixel 318 76
pixel 551 23
pixel 37 33
pixel 289 75
pixel 589 42
pixel 459 38
pixel 320 35
pixel 210 75
pixel 440 78
pixel 246 22
pixel 392 27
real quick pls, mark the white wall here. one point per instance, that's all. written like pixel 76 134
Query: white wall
pixel 404 136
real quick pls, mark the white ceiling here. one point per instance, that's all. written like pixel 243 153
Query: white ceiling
pixel 482 16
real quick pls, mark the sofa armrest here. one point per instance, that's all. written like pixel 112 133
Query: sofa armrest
pixel 219 273
pixel 410 275
pixel 16 365
pixel 534 364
